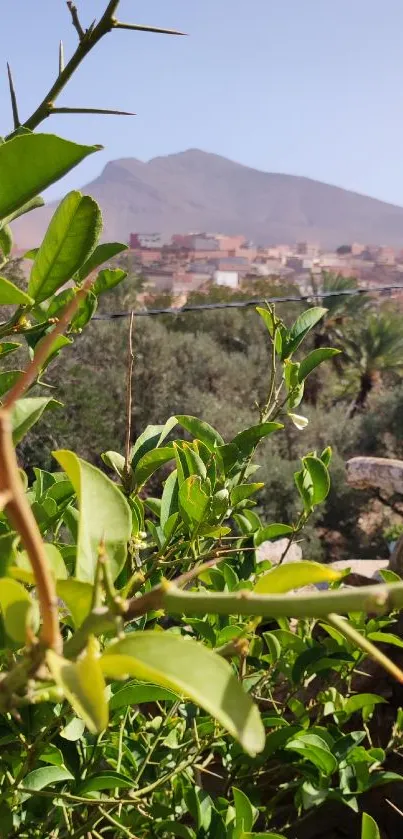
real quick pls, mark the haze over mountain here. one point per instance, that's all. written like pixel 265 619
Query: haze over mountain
pixel 196 190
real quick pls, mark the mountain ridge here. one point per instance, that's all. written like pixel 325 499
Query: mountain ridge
pixel 197 190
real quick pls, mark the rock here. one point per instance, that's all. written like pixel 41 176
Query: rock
pixel 273 551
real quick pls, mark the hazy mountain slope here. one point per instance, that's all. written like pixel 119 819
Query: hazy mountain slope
pixel 194 190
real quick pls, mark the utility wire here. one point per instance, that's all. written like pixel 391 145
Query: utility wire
pixel 244 304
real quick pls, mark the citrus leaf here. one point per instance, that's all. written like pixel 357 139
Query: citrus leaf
pixel 152 461
pixel 187 667
pixel 83 685
pixel 300 329
pixel 245 441
pixel 8 378
pixel 243 491
pixel 26 412
pixel 201 431
pixel 313 359
pixel 10 295
pixel 105 517
pixel 70 238
pixel 295 575
pixel 101 254
pixel 243 813
pixel 77 596
pixel 106 779
pixel 320 481
pixel 6 240
pixel 108 278
pixel 193 500
pixel 8 347
pixel 369 828
pixel 31 162
pixel 136 694
pixel 46 775
pixel 15 605
pixel 272 531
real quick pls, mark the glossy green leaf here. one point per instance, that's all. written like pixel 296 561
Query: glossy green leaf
pixel 170 498
pixel 26 412
pixel 201 430
pixel 369 828
pixel 115 461
pixel 386 638
pixel 6 240
pixel 189 668
pixel 246 441
pixel 151 438
pixel 274 646
pixel 8 378
pixel 106 779
pixel 22 570
pixel 320 480
pixel 33 204
pixel 193 501
pixel 45 776
pixel 361 700
pixel 271 532
pixel 83 685
pixel 70 238
pixel 313 359
pixel 74 730
pixel 84 313
pixel 101 254
pixel 105 517
pixel 300 329
pixel 108 278
pixel 315 750
pixel 10 295
pixel 30 163
pixel 77 596
pixel 295 575
pixel 152 461
pixel 59 342
pixel 244 491
pixel 263 836
pixel 136 694
pixel 8 347
pixel 15 605
pixel 243 813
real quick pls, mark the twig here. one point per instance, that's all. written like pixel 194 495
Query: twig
pixel 31 372
pixel 129 400
pixel 13 97
pixel 75 20
pixel 362 643
pixel 61 57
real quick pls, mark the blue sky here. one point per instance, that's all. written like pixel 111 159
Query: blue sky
pixel 307 87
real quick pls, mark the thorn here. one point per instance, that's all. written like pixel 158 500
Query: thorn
pixel 13 98
pixel 61 57
pixel 92 111
pixel 140 28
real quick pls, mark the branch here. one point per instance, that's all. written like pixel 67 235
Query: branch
pixel 75 20
pixel 13 97
pixel 28 377
pixel 129 400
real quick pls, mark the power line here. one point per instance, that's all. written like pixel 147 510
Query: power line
pixel 245 304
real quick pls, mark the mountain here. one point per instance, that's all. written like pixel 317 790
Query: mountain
pixel 195 190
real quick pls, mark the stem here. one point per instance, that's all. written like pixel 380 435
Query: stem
pixel 30 373
pixel 22 519
pixel 129 401
pixel 360 641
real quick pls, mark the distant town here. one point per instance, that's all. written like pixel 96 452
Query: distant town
pixel 194 261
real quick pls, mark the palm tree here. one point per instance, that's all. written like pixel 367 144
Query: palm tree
pixel 342 308
pixel 374 346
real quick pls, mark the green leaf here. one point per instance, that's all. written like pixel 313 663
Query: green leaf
pixel 201 430
pixel 70 238
pixel 8 347
pixel 369 828
pixel 30 163
pixel 386 638
pixel 170 499
pixel 115 461
pixel 244 491
pixel 83 685
pixel 6 240
pixel 105 517
pixel 8 378
pixel 84 313
pixel 263 836
pixel 136 694
pixel 246 441
pixel 33 204
pixel 152 461
pixel 313 359
pixel 23 570
pixel 295 575
pixel 271 532
pixel 243 813
pixel 360 701
pixel 107 279
pixel 274 646
pixel 10 295
pixel 74 730
pixel 99 256
pixel 46 775
pixel 300 329
pixel 193 501
pixel 26 412
pixel 319 479
pixel 16 606
pixel 187 667
pixel 106 779
pixel 57 345
pixel 151 438
pixel 315 750
pixel 77 596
